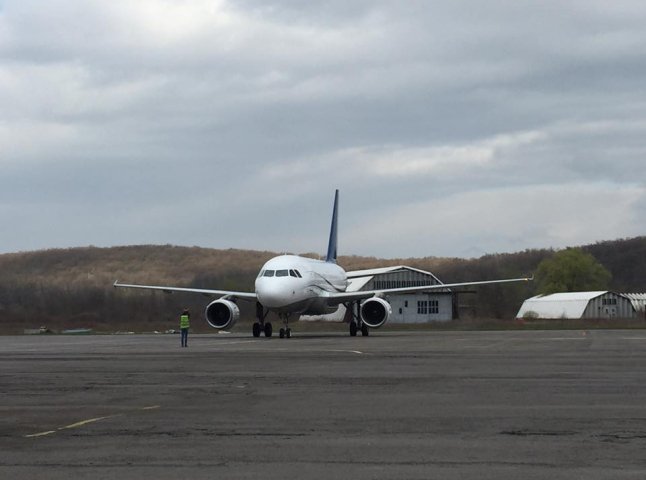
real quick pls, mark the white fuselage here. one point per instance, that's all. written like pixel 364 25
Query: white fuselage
pixel 292 284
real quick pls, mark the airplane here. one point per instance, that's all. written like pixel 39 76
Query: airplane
pixel 291 285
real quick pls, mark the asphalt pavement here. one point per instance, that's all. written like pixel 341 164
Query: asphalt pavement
pixel 404 405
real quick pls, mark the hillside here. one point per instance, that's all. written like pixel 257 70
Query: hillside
pixel 73 287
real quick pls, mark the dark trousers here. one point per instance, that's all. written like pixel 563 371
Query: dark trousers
pixel 184 337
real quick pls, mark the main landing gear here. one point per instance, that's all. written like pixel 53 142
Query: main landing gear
pixel 261 326
pixel 356 324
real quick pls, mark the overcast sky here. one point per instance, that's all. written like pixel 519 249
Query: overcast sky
pixel 451 128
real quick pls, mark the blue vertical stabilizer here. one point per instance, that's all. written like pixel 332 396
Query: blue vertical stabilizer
pixel 331 246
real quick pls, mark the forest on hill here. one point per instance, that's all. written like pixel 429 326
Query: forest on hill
pixel 71 288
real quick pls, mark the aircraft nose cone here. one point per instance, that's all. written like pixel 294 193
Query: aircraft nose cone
pixel 270 296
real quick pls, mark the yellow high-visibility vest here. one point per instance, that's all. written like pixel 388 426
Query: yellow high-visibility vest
pixel 183 321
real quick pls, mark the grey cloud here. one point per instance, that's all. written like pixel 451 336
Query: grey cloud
pixel 163 118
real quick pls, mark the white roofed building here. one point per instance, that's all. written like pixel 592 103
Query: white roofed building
pixel 420 307
pixel 602 304
pixel 638 300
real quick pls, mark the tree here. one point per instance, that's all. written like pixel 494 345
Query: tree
pixel 571 270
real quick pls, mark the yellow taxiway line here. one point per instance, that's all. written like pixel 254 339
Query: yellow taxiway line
pixel 84 422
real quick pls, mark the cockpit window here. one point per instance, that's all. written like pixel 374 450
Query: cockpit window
pixel 268 273
pixel 292 273
pixel 282 273
pixel 298 274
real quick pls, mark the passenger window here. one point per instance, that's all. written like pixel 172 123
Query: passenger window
pixel 282 273
pixel 269 273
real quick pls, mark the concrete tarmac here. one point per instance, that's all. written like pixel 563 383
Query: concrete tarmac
pixel 404 405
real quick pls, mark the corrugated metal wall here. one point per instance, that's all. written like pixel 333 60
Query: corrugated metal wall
pixel 419 308
pixel 638 300
pixel 609 305
pixel 400 279
pixel 438 306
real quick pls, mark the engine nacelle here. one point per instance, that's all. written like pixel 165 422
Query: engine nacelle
pixel 222 314
pixel 375 312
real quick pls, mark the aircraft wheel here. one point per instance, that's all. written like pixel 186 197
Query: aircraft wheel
pixel 256 329
pixel 282 333
pixel 268 330
pixel 288 333
pixel 365 331
pixel 353 329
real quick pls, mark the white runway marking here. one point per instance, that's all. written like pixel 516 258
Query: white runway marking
pixel 345 351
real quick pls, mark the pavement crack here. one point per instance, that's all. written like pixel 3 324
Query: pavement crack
pixel 621 436
pixel 539 433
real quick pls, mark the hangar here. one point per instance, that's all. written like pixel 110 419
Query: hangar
pixel 578 305
pixel 435 306
pixel 639 303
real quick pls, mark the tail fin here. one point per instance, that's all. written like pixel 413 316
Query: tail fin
pixel 331 247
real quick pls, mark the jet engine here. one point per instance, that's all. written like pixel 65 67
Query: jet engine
pixel 375 312
pixel 222 314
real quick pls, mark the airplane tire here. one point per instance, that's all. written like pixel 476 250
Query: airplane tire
pixel 256 329
pixel 353 329
pixel 268 330
pixel 288 333
pixel 282 333
pixel 365 331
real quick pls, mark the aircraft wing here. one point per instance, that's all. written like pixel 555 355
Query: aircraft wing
pixel 343 297
pixel 221 293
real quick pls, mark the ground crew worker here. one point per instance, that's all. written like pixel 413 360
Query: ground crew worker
pixel 184 323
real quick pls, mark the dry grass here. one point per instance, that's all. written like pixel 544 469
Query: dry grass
pixel 70 288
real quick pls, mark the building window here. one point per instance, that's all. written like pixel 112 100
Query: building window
pixel 422 307
pixel 434 306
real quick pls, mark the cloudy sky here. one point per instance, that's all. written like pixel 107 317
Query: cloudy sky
pixel 451 128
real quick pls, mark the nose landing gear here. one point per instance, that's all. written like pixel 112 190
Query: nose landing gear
pixel 285 332
pixel 260 326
